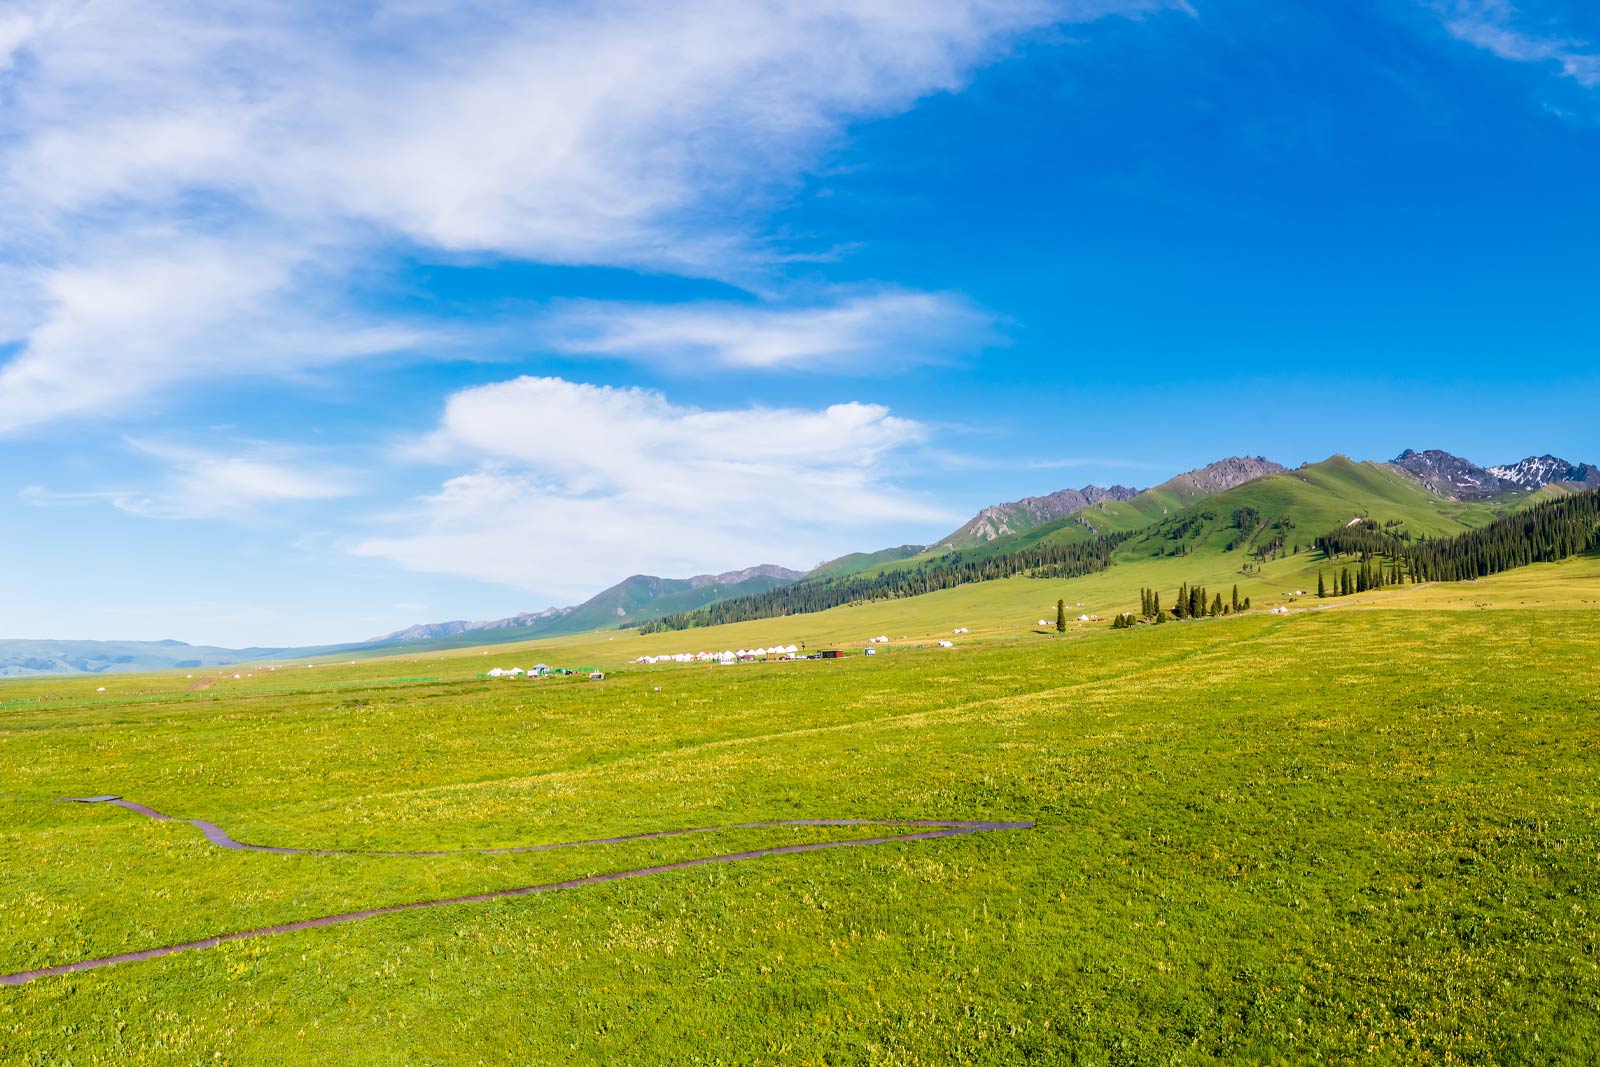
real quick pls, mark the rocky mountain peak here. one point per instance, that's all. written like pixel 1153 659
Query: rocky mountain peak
pixel 762 570
pixel 1227 473
pixel 997 520
pixel 1461 479
pixel 1537 471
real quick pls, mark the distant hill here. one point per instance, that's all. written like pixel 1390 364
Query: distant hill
pixel 1461 479
pixel 635 599
pixel 1268 513
pixel 427 631
pixel 21 658
pixel 1238 512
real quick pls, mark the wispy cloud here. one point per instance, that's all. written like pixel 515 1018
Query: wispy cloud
pixel 205 484
pixel 178 181
pixel 115 327
pixel 1502 29
pixel 572 483
pixel 866 332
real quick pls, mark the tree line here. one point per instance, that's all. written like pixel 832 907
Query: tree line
pixel 1544 533
pixel 1043 560
pixel 1190 603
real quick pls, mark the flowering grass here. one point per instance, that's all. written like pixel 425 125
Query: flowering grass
pixel 1341 836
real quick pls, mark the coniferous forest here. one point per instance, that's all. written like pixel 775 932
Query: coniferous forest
pixel 1387 555
pixel 1543 533
pixel 945 572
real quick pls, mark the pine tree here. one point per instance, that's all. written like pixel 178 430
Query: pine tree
pixel 1322 587
pixel 1216 605
pixel 1061 616
pixel 1235 603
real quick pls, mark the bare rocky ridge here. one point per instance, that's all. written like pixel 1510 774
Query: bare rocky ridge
pixel 764 570
pixel 1455 478
pixel 1537 471
pixel 1224 474
pixel 998 520
pixel 1446 474
pixel 430 630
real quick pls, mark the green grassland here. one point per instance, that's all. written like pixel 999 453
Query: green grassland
pixel 1363 832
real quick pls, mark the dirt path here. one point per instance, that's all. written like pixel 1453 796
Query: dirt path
pixel 931 829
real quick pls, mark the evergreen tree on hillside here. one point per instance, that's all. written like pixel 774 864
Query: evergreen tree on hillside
pixel 1235 603
pixel 1061 616
pixel 1045 560
pixel 1322 586
pixel 1216 605
pixel 1553 530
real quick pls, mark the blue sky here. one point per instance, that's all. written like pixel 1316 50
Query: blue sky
pixel 319 320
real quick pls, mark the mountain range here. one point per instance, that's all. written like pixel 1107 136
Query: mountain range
pixel 635 599
pixel 1062 516
pixel 1458 479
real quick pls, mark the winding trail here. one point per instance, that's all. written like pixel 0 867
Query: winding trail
pixel 930 829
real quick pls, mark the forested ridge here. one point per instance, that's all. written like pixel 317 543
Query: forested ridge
pixel 946 572
pixel 1544 533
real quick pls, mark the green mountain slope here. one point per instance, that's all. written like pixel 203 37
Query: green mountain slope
pixel 633 601
pixel 1236 531
pixel 1107 516
pixel 1280 514
pixel 858 562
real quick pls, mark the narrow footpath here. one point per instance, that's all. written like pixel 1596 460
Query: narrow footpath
pixel 926 830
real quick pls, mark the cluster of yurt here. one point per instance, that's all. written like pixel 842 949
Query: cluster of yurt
pixel 727 656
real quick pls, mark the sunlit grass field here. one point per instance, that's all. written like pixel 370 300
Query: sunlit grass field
pixel 1362 835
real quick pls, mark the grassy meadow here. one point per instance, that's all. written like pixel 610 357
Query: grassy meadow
pixel 1364 835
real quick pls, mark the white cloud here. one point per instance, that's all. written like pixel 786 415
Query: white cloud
pixel 289 140
pixel 863 331
pixel 125 324
pixel 1497 27
pixel 575 485
pixel 201 484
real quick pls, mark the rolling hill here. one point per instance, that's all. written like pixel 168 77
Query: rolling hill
pixel 1243 519
pixel 25 657
pixel 636 599
pixel 1236 531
